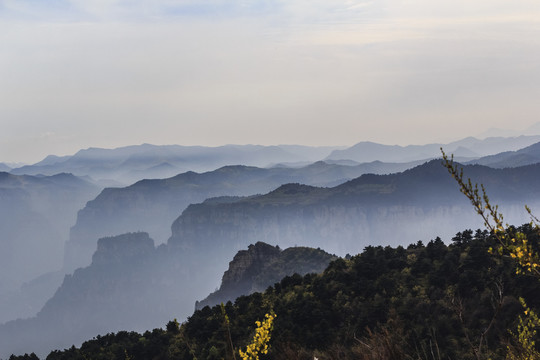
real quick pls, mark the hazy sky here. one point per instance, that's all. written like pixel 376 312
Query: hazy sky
pixel 105 73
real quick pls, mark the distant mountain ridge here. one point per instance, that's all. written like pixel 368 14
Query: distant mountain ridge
pixel 152 205
pixel 367 151
pixel 128 272
pixel 132 163
pixel 4 167
pixel 129 164
pixel 526 156
pixel 370 209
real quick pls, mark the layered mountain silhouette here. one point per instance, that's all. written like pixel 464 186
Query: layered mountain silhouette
pixel 132 285
pixel 128 273
pixel 126 165
pixel 4 167
pixel 526 156
pixel 132 163
pixel 470 147
pixel 152 205
pixel 35 215
pixel 370 210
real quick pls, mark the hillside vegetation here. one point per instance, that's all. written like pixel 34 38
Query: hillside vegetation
pixel 432 301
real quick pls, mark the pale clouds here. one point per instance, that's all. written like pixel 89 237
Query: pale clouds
pixel 209 72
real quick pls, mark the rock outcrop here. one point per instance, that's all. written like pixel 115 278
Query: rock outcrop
pixel 262 265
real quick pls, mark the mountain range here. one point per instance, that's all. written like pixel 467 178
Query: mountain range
pixel 152 205
pixel 35 215
pixel 132 285
pixel 217 213
pixel 369 210
pixel 128 164
pixel 128 272
pixel 384 303
pixel 466 148
pixel 526 156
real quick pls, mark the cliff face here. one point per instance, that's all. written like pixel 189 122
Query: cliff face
pixel 123 289
pixel 262 265
pixel 152 205
pixel 132 285
pixel 403 208
pixel 246 264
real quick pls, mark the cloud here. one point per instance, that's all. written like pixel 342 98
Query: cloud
pixel 131 10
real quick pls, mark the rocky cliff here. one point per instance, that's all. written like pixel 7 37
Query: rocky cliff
pixel 262 265
pixel 128 286
pixel 152 205
pixel 132 285
pixel 402 208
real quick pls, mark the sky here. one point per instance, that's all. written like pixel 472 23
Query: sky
pixel 107 73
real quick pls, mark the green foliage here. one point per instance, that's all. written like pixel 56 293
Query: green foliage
pixel 513 243
pixel 421 302
pixel 525 347
pixel 31 356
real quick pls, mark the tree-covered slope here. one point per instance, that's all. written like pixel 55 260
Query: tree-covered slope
pixel 132 285
pixel 421 302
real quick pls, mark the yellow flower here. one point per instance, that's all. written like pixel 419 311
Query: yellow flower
pixel 259 344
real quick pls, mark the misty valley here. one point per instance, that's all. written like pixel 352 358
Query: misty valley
pixel 174 252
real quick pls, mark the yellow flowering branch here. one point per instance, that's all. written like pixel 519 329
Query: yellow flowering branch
pixel 526 332
pixel 259 345
pixel 515 244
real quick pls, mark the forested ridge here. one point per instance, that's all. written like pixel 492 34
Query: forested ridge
pixel 431 301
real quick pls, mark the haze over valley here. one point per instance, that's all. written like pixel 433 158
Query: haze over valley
pixel 174 172
pixel 175 236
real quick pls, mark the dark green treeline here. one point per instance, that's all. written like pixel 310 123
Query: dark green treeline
pixel 428 301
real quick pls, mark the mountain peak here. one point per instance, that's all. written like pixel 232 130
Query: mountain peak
pixel 262 265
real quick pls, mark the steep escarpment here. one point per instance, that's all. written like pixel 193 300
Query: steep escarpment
pixel 262 265
pixel 371 210
pixel 122 289
pixel 152 205
pixel 133 285
pixel 427 298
